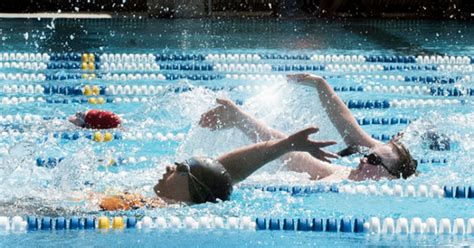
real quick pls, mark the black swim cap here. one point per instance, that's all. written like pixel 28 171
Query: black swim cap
pixel 213 181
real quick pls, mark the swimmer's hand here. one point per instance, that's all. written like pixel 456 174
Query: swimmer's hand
pixel 226 115
pixel 304 79
pixel 299 141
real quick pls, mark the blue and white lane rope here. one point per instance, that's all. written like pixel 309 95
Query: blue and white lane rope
pixel 151 89
pixel 83 100
pixel 434 191
pixel 229 67
pixel 322 58
pixel 99 136
pixel 33 118
pixel 352 104
pixel 75 135
pixel 373 225
pixel 131 89
pixel 39 77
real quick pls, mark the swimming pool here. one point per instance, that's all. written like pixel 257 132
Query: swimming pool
pixel 161 75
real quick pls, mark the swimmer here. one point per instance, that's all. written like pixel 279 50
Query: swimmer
pixel 201 179
pixel 95 119
pixel 390 161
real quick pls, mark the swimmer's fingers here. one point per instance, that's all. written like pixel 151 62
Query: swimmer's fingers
pixel 324 143
pixel 329 155
pixel 209 119
pixel 220 117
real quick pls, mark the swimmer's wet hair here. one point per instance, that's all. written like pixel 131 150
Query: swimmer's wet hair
pixel 407 165
pixel 214 182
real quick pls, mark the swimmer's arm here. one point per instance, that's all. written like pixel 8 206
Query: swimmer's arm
pixel 256 130
pixel 242 162
pixel 338 112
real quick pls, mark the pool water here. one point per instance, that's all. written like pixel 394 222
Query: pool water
pixel 161 128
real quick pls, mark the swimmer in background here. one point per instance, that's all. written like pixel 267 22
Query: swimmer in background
pixel 390 161
pixel 95 119
pixel 201 179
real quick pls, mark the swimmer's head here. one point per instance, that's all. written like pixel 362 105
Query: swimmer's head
pixel 195 180
pixel 406 165
pixel 391 160
pixel 78 119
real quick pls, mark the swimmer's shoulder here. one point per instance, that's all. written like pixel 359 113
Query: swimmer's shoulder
pixel 339 174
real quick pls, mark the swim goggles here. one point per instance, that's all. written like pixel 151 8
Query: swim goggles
pixel 376 160
pixel 199 188
pixel 80 118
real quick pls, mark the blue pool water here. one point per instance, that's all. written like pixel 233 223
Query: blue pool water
pixel 161 124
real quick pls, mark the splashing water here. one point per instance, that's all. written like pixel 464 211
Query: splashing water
pixel 65 188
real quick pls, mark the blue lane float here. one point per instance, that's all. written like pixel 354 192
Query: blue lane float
pixel 432 79
pixel 180 57
pixel 383 121
pixel 311 225
pixel 65 57
pixel 369 104
pixel 187 67
pixel 350 88
pixel 390 59
pixel 286 68
pixel 69 66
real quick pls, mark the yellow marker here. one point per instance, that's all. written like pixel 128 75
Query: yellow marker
pixel 91 66
pixel 104 223
pixel 112 161
pixel 100 100
pixel 91 57
pixel 98 137
pixel 117 223
pixel 85 57
pixel 108 137
pixel 96 90
pixel 87 90
pixel 91 76
pixel 84 66
pixel 92 100
pixel 85 76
